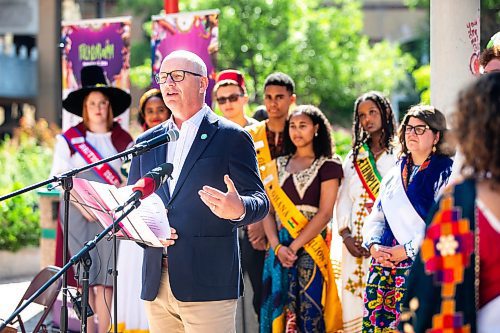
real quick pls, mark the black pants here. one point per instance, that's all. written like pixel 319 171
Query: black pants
pixel 252 262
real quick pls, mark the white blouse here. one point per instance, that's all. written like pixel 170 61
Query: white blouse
pixel 64 161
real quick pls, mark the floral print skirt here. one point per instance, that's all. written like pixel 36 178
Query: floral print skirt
pixel 383 296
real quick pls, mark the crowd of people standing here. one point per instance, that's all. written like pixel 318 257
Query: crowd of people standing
pixel 273 192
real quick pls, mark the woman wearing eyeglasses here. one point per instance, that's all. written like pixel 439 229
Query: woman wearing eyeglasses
pixel 458 263
pixel 395 228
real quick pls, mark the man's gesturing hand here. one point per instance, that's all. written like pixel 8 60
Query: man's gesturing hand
pixel 171 240
pixel 225 205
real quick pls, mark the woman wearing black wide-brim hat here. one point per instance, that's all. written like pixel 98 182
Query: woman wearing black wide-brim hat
pixel 95 138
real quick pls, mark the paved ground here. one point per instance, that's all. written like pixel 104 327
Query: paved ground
pixel 11 291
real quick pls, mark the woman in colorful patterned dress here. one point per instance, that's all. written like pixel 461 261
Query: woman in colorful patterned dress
pixel 455 282
pixel 372 155
pixel 395 228
pixel 300 294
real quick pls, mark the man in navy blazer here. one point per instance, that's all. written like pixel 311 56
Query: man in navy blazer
pixel 215 188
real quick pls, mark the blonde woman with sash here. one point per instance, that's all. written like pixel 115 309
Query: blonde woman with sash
pixel 300 294
pixel 95 138
pixel 369 160
pixel 395 228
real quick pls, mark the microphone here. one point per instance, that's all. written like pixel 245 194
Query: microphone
pixel 148 184
pixel 141 148
pixel 171 135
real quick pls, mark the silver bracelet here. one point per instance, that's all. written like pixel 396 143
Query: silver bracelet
pixel 345 235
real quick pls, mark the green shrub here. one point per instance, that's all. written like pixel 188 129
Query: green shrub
pixel 342 140
pixel 23 162
pixel 19 221
pixel 422 77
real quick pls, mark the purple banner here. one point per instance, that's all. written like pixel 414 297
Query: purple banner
pixel 102 42
pixel 197 32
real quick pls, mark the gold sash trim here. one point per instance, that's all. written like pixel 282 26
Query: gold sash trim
pixel 366 169
pixel 294 221
pixel 258 133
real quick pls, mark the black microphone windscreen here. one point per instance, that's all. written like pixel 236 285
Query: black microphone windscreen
pixel 160 173
pixel 165 169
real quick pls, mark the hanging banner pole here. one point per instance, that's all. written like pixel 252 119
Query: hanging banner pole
pixel 171 6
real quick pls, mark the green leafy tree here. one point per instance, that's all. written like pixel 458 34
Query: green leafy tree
pixel 422 77
pixel 490 16
pixel 146 7
pixel 318 43
pixel 490 21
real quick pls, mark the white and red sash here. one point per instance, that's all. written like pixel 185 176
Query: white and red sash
pixel 78 143
pixel 406 224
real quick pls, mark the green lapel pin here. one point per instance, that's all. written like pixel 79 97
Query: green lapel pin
pixel 204 136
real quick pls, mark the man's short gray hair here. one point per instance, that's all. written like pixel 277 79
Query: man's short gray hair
pixel 198 64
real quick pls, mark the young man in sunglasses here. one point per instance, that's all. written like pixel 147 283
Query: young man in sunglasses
pixel 231 96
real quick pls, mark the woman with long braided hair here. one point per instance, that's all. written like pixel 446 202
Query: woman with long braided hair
pixel 372 155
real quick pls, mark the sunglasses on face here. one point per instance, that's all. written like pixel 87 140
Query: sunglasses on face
pixel 419 129
pixel 230 98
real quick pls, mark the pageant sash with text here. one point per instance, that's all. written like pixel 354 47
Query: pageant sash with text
pixel 91 155
pixel 366 168
pixel 258 133
pixel 404 220
pixel 294 221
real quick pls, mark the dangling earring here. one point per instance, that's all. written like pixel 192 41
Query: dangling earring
pixel 316 134
pixel 434 148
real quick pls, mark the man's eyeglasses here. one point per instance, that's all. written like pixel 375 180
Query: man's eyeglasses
pixel 419 129
pixel 176 76
pixel 230 98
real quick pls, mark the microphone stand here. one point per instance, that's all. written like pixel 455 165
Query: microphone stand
pixel 67 185
pixel 86 262
pixel 128 154
pixel 115 277
pixel 77 257
pixel 66 181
